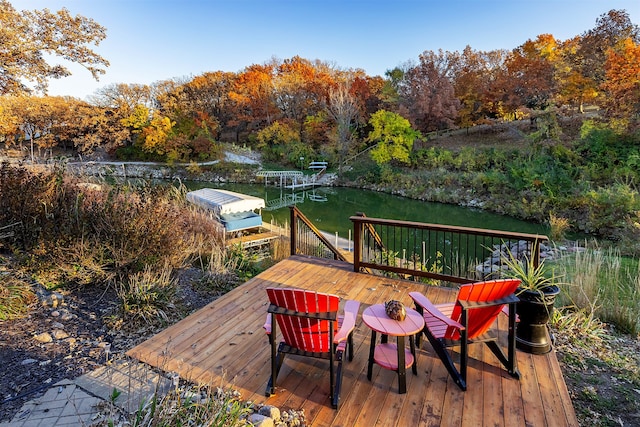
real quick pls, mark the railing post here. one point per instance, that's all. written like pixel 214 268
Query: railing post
pixel 293 230
pixel 357 244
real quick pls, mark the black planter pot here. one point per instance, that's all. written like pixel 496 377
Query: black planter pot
pixel 534 310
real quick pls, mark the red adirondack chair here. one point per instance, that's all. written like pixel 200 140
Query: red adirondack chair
pixel 311 327
pixel 468 320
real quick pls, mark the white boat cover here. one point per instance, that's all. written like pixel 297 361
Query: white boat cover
pixel 223 201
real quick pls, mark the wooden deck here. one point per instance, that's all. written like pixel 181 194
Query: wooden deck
pixel 224 344
pixel 265 234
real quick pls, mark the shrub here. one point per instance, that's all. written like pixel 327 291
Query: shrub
pixel 610 207
pixel 558 226
pixel 22 201
pixel 138 227
pixel 90 234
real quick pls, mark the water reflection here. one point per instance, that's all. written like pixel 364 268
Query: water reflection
pixel 287 199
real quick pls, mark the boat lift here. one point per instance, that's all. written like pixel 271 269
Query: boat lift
pixel 297 178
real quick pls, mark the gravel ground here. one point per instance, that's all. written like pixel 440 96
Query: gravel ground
pixel 66 340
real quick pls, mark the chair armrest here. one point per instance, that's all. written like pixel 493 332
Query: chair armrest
pixel 267 324
pixel 433 311
pixel 469 305
pixel 507 301
pixel 351 308
pixel 427 305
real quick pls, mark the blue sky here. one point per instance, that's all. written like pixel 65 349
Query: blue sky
pixel 151 40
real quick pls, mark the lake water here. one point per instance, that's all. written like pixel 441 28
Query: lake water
pixel 329 208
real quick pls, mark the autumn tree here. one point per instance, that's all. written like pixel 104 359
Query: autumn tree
pixel 63 125
pixel 344 111
pixel 95 128
pixel 128 108
pixel 530 73
pixel 467 85
pixel 428 95
pixel 209 94
pixel 196 107
pixel 393 136
pixel 156 135
pixel 585 56
pixel 367 91
pixel 622 84
pixel 301 88
pixel 139 118
pixel 29 37
pixel 123 98
pixel 168 96
pixel 611 29
pixel 475 74
pixel 38 122
pixel 33 116
pixel 251 97
pixel 573 87
pixel 9 120
pixel 318 130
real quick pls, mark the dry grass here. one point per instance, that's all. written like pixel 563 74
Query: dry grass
pixel 74 233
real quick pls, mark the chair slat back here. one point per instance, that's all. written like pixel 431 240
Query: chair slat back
pixel 481 319
pixel 307 333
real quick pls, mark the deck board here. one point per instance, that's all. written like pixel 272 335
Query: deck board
pixel 224 344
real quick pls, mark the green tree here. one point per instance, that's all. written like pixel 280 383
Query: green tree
pixel 277 140
pixel 27 37
pixel 394 137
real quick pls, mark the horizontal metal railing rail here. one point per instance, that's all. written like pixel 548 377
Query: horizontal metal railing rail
pixel 440 252
pixel 306 239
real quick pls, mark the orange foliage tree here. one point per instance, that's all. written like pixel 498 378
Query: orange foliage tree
pixel 622 83
pixel 252 96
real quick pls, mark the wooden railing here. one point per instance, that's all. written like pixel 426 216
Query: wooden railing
pixel 414 249
pixel 306 239
pixel 440 252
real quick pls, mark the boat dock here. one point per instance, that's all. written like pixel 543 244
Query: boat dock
pixel 298 180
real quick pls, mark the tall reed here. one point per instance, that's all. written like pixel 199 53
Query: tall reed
pixel 604 282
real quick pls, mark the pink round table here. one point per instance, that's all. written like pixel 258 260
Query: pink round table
pixel 392 356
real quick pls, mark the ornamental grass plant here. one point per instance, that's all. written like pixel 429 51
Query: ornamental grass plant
pixel 532 277
pixel 16 298
pixel 602 282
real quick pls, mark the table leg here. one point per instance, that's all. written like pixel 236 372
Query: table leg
pixel 372 349
pixel 402 371
pixel 412 344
